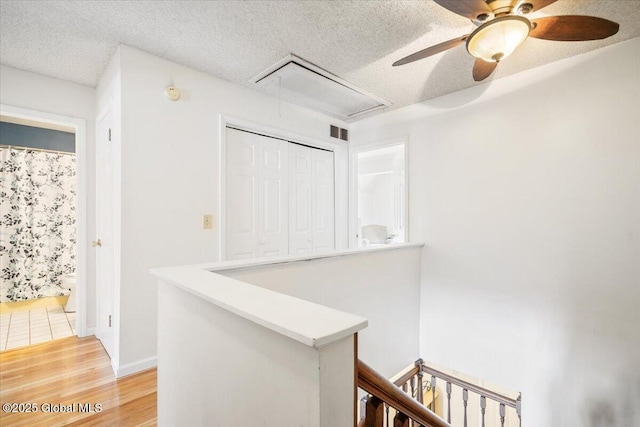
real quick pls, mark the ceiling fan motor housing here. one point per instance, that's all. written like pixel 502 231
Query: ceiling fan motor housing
pixel 501 28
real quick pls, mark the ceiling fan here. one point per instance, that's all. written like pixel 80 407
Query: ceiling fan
pixel 502 27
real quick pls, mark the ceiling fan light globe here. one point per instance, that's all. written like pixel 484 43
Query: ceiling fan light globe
pixel 497 39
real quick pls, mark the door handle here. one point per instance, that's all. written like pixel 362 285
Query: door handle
pixel 96 243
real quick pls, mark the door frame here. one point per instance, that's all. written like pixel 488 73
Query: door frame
pixel 353 182
pixel 80 126
pixel 259 128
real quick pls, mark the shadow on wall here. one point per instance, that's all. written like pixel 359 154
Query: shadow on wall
pixel 618 408
pixel 599 382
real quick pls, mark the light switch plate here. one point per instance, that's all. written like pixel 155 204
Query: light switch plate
pixel 207 221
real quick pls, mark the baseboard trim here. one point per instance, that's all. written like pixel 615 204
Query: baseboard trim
pixel 33 304
pixel 132 368
pixel 90 331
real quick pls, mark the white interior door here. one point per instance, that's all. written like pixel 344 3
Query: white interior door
pixel 273 212
pixel 300 200
pixel 311 200
pixel 104 245
pixel 323 200
pixel 242 176
pixel 256 195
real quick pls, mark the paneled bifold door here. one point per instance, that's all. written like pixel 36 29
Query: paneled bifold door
pixel 311 200
pixel 279 197
pixel 257 196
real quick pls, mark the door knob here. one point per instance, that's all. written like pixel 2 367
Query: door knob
pixel 96 243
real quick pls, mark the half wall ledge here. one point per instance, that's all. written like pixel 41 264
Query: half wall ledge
pixel 228 348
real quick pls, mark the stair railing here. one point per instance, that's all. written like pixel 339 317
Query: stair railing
pixel 483 393
pixel 406 396
pixel 384 391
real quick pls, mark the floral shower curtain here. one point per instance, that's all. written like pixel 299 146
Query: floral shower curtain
pixel 37 223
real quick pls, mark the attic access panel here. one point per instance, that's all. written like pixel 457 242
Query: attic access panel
pixel 304 83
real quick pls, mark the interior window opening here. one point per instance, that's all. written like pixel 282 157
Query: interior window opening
pixel 381 211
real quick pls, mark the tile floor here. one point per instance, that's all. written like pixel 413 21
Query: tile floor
pixel 22 328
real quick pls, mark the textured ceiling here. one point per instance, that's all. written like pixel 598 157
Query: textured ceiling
pixel 235 40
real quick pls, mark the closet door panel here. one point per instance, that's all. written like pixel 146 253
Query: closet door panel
pixel 323 201
pixel 244 219
pixel 273 212
pixel 300 202
pixel 280 197
pixel 242 175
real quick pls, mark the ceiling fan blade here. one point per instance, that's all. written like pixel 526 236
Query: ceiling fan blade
pixel 431 50
pixel 483 69
pixel 467 8
pixel 571 28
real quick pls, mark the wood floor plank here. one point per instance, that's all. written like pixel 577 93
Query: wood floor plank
pixel 134 413
pixel 69 372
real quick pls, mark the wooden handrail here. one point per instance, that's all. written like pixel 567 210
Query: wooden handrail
pixel 407 375
pixel 377 385
pixel 500 398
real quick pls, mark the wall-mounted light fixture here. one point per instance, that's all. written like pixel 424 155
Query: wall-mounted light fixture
pixel 172 93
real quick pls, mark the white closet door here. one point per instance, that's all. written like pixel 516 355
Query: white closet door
pixel 311 200
pixel 273 212
pixel 323 200
pixel 242 200
pixel 257 199
pixel 300 200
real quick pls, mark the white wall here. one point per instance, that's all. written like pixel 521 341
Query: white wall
pixel 382 286
pixel 526 191
pixel 36 92
pixel 170 176
pixel 216 368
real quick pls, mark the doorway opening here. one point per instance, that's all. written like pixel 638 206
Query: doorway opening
pixel 380 189
pixel 42 227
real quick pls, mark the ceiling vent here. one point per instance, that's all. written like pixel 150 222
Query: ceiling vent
pixel 304 83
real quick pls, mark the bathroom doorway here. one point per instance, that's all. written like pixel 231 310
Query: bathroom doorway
pixel 379 184
pixel 42 227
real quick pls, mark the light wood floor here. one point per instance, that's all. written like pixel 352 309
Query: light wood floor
pixel 73 371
